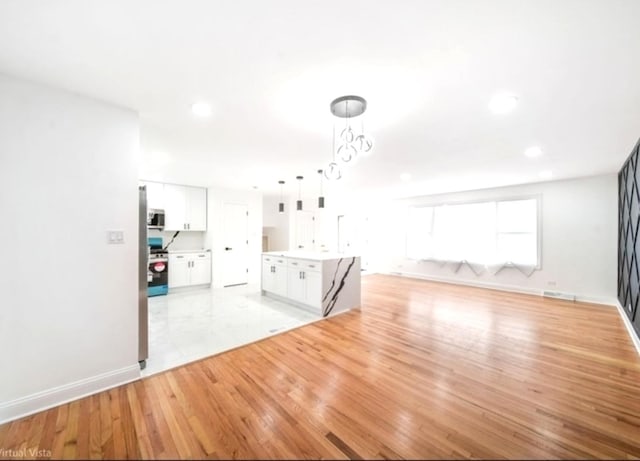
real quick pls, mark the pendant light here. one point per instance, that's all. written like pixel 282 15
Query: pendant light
pixel 281 204
pixel 321 197
pixel 350 142
pixel 299 202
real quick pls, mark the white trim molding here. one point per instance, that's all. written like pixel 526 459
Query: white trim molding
pixel 50 398
pixel 609 302
pixel 630 329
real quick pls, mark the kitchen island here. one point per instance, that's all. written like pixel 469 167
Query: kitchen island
pixel 325 283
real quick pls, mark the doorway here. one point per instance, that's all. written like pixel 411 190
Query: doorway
pixel 235 256
pixel 305 239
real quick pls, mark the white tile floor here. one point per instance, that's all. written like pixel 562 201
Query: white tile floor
pixel 190 325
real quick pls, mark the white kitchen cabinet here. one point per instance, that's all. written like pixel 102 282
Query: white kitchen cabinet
pixel 179 268
pixel 200 270
pixel 189 269
pixel 155 194
pixel 185 208
pixel 274 275
pixel 321 282
pixel 304 281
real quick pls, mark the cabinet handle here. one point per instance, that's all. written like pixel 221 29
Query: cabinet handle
pixel 294 264
pixel 202 256
pixel 189 226
pixel 179 257
pixel 303 276
pixel 312 265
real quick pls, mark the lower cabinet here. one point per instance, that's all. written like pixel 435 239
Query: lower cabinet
pixel 274 275
pixel 299 280
pixel 189 269
pixel 304 282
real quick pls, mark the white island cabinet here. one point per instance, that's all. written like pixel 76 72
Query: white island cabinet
pixel 322 282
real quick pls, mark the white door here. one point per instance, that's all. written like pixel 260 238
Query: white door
pixel 305 230
pixel 344 234
pixel 235 250
pixel 200 270
pixel 178 271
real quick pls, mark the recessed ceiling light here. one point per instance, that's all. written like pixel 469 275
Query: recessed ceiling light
pixel 201 109
pixel 533 152
pixel 546 174
pixel 405 177
pixel 503 103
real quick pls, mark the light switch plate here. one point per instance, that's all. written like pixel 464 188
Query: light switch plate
pixel 115 237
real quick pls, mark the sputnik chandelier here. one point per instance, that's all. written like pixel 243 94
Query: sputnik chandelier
pixel 351 141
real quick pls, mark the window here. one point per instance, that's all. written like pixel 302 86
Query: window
pixel 495 232
pixel 517 232
pixel 420 233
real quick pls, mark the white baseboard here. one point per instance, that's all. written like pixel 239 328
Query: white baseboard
pixel 630 329
pixel 50 398
pixel 611 302
pixel 455 281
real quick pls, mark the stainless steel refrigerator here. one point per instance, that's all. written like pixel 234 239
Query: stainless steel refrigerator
pixel 143 267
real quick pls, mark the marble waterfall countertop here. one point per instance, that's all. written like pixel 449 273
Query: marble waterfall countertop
pixel 204 250
pixel 311 255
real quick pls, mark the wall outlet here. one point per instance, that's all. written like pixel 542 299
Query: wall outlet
pixel 551 283
pixel 115 237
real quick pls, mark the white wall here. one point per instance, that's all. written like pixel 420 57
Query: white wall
pixel 68 300
pixel 214 237
pixel 579 238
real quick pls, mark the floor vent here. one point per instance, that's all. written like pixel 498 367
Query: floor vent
pixel 558 295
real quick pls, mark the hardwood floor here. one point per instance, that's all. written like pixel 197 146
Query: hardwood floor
pixel 423 370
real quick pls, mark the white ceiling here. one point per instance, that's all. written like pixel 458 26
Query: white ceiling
pixel 270 69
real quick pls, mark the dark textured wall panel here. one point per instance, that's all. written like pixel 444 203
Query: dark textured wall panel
pixel 628 238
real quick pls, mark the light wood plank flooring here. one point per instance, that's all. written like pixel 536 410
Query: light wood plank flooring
pixel 423 370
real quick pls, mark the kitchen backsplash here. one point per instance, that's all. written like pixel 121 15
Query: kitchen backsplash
pixel 189 240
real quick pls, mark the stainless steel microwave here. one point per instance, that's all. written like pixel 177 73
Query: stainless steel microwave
pixel 155 218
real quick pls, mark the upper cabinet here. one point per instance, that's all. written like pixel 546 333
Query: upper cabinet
pixel 185 208
pixel 155 194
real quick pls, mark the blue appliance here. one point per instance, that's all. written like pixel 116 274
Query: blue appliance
pixel 158 270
